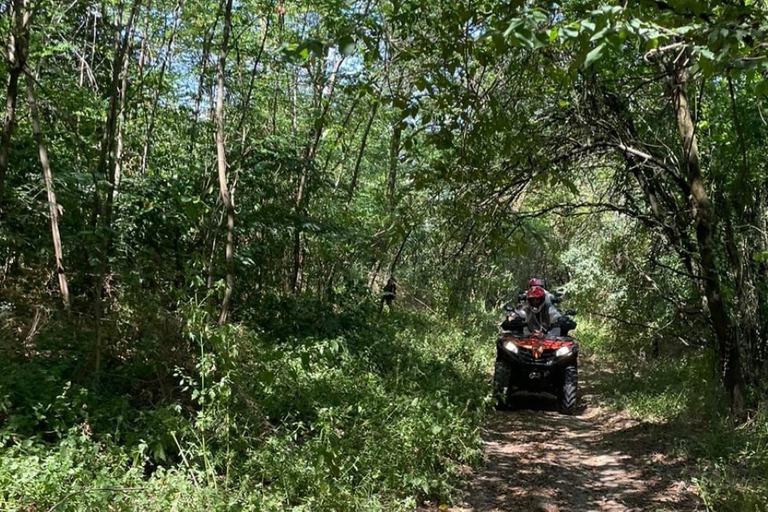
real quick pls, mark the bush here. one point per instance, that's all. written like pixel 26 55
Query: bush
pixel 370 412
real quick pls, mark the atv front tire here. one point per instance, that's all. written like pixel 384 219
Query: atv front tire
pixel 566 398
pixel 502 374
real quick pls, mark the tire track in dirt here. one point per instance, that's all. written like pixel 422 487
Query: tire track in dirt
pixel 596 460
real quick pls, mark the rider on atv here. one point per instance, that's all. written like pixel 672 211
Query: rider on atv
pixel 534 351
pixel 535 281
pixel 540 314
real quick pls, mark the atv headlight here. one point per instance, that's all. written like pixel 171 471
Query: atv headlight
pixel 563 351
pixel 510 347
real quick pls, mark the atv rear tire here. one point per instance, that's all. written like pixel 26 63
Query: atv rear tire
pixel 566 398
pixel 502 374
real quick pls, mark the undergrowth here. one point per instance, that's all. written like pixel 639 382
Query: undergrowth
pixel 680 391
pixel 354 411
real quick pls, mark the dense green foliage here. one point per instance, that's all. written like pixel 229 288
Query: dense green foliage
pixel 367 417
pixel 201 202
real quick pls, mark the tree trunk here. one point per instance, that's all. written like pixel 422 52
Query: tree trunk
pixel 705 226
pixel 396 260
pixel 358 161
pixel 221 160
pixel 118 165
pixel 340 136
pixel 107 156
pixel 156 100
pixel 201 81
pixel 107 167
pixel 53 207
pixel 246 105
pixel 321 113
pixel 298 249
pixel 320 122
pixel 16 63
pixel 8 124
pixel 394 160
pixel 143 52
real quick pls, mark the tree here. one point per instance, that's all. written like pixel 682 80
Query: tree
pixel 221 162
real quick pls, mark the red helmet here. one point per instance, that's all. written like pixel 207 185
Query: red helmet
pixel 536 297
pixel 535 281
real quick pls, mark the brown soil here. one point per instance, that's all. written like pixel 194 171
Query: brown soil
pixel 596 460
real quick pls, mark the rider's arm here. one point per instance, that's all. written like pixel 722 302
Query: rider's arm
pixel 554 315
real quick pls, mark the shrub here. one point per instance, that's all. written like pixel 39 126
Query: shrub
pixel 369 412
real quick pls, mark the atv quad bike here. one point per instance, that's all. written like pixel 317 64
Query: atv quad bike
pixel 536 362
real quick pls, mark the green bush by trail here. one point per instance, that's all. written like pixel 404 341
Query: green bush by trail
pixel 369 412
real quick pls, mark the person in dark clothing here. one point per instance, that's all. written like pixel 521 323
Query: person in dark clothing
pixel 390 290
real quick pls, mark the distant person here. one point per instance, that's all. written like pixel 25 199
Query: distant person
pixel 390 291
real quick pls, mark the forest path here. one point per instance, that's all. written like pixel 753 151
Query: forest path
pixel 596 460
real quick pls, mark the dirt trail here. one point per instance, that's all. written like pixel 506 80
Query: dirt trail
pixel 595 460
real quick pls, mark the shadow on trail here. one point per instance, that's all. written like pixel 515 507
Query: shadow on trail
pixel 543 402
pixel 595 460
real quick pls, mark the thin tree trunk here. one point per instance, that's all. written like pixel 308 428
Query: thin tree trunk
pixel 81 80
pixel 16 57
pixel 359 159
pixel 294 105
pixel 8 124
pixel 118 165
pixel 396 260
pixel 201 80
pixel 298 260
pixel 212 257
pixel 252 80
pixel 143 51
pixel 394 157
pixel 107 167
pixel 107 158
pixel 375 274
pixel 320 123
pixel 341 135
pixel 143 54
pixel 705 227
pixel 92 63
pixel 153 112
pixel 321 111
pixel 53 207
pixel 226 198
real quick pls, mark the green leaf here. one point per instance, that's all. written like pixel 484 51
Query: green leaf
pixel 570 32
pixel 570 186
pixel 347 45
pixel 594 54
pixel 499 42
pixel 762 88
pixel 599 34
pixel 513 24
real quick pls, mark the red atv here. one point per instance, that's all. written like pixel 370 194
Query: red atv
pixel 538 362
